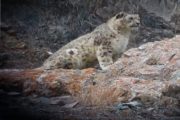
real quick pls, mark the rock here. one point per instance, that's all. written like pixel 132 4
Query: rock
pixel 21 45
pixel 150 75
pixel 44 100
pixel 131 105
pixel 150 109
pixel 61 100
pixel 71 105
pixel 11 32
pixel 176 75
pixel 150 19
pixel 13 93
pixel 4 26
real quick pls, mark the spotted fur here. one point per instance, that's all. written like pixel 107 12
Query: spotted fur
pixel 104 44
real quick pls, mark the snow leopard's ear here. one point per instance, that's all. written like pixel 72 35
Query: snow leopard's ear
pixel 120 15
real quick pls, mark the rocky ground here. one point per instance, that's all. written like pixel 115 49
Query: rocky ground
pixel 143 84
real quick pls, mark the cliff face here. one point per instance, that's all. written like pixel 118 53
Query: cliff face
pixel 31 28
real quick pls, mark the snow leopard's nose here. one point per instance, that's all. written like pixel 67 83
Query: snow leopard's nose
pixel 137 23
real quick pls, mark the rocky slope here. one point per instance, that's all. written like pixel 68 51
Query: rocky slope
pixel 143 84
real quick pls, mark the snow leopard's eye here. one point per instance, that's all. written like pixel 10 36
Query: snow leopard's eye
pixel 120 15
pixel 131 18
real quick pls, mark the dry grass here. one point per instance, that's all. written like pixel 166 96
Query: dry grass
pixel 103 95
